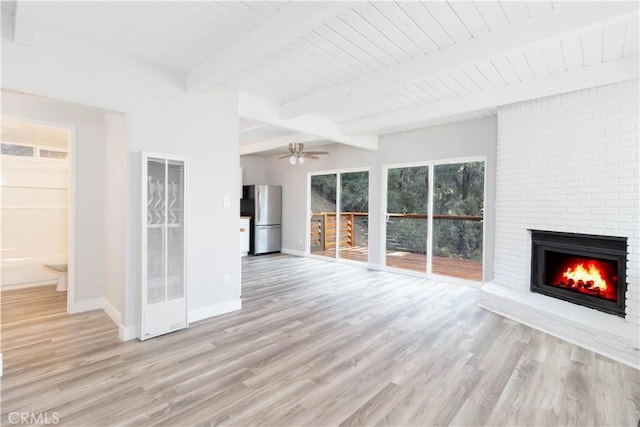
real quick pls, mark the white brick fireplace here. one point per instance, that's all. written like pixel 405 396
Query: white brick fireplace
pixel 568 163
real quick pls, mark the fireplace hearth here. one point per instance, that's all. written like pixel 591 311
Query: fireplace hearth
pixel 580 268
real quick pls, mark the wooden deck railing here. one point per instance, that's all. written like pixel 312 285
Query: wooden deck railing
pixel 323 226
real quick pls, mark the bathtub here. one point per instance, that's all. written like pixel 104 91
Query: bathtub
pixel 24 272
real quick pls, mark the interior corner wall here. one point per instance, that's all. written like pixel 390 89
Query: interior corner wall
pixel 473 138
pixel 88 150
pixel 115 217
pixel 161 116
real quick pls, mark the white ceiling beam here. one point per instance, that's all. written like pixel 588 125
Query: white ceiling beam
pixel 254 108
pixel 273 143
pixel 294 19
pixel 24 22
pixel 252 128
pixel 595 75
pixel 566 18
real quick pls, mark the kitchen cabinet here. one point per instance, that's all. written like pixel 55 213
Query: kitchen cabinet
pixel 244 235
pixel 163 291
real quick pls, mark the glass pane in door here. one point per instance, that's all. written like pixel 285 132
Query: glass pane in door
pixel 156 205
pixel 175 229
pixel 457 220
pixel 354 216
pixel 322 240
pixel 406 218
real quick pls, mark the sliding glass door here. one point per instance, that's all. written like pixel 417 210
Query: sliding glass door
pixel 354 216
pixel 406 218
pixel 458 200
pixel 339 216
pixel 434 219
pixel 324 196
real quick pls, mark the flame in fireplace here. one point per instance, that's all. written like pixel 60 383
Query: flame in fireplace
pixel 588 273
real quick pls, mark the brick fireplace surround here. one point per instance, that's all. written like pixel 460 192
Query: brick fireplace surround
pixel 568 163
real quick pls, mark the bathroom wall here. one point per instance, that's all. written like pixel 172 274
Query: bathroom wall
pixel 88 148
pixel 34 218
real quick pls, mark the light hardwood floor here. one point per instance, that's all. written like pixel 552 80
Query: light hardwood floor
pixel 315 343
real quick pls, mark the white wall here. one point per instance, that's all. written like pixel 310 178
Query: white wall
pixel 115 216
pixel 253 170
pixel 34 218
pixel 205 128
pixel 472 138
pixel 160 117
pixel 569 163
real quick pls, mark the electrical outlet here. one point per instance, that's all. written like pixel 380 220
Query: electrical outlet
pixel 226 280
pixel 227 201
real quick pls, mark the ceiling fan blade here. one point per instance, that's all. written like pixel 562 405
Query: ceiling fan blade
pixel 307 156
pixel 316 152
pixel 285 156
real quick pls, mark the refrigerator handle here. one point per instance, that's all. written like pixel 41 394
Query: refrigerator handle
pixel 258 202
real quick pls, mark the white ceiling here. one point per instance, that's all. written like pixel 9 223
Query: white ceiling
pixel 349 71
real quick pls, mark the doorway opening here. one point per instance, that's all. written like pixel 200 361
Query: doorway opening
pixel 37 215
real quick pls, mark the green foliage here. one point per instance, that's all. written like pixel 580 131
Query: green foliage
pixel 354 192
pixel 458 190
pixel 407 235
pixel 323 193
pixel 407 190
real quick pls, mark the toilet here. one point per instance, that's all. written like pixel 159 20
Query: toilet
pixel 60 267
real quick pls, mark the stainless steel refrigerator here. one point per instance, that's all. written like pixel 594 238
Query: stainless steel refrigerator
pixel 263 203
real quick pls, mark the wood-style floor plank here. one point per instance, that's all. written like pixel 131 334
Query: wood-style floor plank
pixel 316 343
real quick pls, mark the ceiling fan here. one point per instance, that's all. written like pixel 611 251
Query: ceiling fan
pixel 297 154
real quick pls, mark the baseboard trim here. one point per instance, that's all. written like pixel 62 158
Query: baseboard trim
pixel 126 333
pixel 604 334
pixel 86 305
pixel 28 285
pixel 456 281
pixel 294 252
pixel 375 266
pixel 214 310
pixel 112 312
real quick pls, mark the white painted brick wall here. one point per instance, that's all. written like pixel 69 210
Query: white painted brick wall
pixel 569 163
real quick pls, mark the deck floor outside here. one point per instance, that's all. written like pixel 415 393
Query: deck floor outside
pixel 453 267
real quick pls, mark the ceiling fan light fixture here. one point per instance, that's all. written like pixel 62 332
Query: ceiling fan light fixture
pixel 297 155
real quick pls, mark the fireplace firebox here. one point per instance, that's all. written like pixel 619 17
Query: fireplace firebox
pixel 580 268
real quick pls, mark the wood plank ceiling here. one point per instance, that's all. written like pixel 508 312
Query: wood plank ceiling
pixel 366 67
